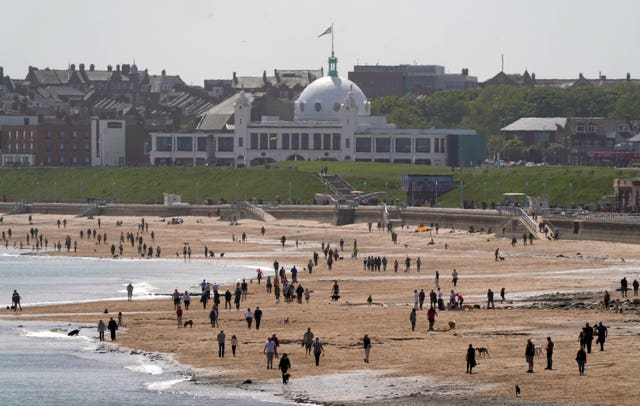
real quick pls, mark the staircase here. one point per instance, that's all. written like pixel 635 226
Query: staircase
pixel 340 188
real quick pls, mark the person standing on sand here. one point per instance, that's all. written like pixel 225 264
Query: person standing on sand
pixel 454 278
pixel 497 254
pixel 248 315
pixel 606 300
pixel 179 316
pixel 602 335
pixel 490 304
pixel 112 326
pixel 502 293
pixel 257 315
pixel 431 316
pixel 234 344
pixel 221 338
pixel 635 285
pixel 318 349
pixel 307 341
pixel 129 288
pixel 529 353
pixel 186 299
pixel 366 341
pixel 176 299
pixel 269 350
pixel 15 300
pixel 471 358
pixel 549 350
pixel 284 366
pixel 581 359
pixel 101 329
pixel 413 318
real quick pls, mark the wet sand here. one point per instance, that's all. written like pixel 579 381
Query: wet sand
pixel 411 367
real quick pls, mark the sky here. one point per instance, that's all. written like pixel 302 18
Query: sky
pixel 207 39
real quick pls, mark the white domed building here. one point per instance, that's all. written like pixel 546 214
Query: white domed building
pixel 332 121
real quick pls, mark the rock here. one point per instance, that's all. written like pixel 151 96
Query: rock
pixel 247 382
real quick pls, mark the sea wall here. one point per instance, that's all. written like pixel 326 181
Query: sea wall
pixel 502 225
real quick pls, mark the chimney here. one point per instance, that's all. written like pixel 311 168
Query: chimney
pixel 72 67
pixel 109 68
pixel 264 76
pixel 277 75
pixel 82 67
pixel 235 79
pixel 118 67
pixel 533 76
pixel 126 69
pixel 1 73
pixel 628 76
pixel 164 73
pixel 92 67
pixel 465 71
pixel 580 76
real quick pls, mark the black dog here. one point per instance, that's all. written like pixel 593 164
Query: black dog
pixel 517 390
pixel 73 332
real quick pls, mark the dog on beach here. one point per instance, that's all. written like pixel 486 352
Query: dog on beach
pixel 467 307
pixel 501 258
pixel 188 323
pixel 73 333
pixel 452 325
pixel 483 352
pixel 517 390
pixel 285 320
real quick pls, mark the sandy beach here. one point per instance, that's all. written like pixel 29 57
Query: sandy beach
pixel 552 289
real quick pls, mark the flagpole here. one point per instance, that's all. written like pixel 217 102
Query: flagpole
pixel 331 39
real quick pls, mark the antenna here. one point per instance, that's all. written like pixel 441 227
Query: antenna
pixel 502 65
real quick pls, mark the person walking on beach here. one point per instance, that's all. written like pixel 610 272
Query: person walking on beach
pixel 624 285
pixel 606 300
pixel 129 292
pixel 635 285
pixel 186 299
pixel 318 349
pixel 101 329
pixel 549 350
pixel 307 341
pixel 221 338
pixel 602 335
pixel 112 326
pixel 284 366
pixel 234 344
pixel 269 350
pixel 257 316
pixel 413 318
pixel 529 353
pixel 213 317
pixel 471 358
pixel 454 278
pixel 587 336
pixel 431 316
pixel 366 341
pixel 179 316
pixel 176 299
pixel 502 294
pixel 15 301
pixel 248 315
pixel 581 359
pixel 490 304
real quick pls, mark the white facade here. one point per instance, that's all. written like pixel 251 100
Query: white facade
pixel 332 122
pixel 108 142
pixel 178 149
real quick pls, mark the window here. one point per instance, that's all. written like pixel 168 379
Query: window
pixel 623 128
pixel 295 141
pixel 114 124
pixel 184 144
pixel 87 147
pixel 61 147
pixel 61 160
pixel 335 144
pixel 317 141
pixel 74 135
pixel 591 128
pixel 31 135
pixel 363 144
pixel 74 160
pixel 436 145
pixel 318 106
pixel 48 135
pixel 285 141
pixel 326 142
pixel 264 141
pixel 24 135
pixel 49 160
pixel 74 147
pixel 580 127
pixel 61 135
pixel 163 143
pixel 442 145
pixel 423 144
pixel 9 135
pixel 240 142
pixel 225 144
pixel 9 148
pixel 273 141
pixel 86 135
pixel 31 148
pixel 202 144
pixel 347 143
pixel 304 142
pixel 383 144
pixel 403 145
pixel 253 141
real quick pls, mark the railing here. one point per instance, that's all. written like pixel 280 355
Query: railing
pixel 251 209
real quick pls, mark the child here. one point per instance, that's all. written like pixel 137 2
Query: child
pixel 234 344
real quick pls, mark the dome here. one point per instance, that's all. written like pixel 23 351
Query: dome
pixel 322 99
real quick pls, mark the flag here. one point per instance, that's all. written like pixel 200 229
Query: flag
pixel 327 31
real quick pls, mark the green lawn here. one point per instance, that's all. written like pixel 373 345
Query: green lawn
pixel 298 180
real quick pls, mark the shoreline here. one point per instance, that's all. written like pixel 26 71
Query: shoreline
pixel 545 267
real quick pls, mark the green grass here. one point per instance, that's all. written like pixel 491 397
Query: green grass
pixel 144 185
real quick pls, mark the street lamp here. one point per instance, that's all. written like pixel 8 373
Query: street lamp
pixel 113 191
pixel 436 193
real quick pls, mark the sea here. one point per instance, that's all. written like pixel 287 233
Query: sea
pixel 41 365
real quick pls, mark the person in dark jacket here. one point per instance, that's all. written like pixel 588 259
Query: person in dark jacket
pixel 581 359
pixel 112 326
pixel 529 353
pixel 471 358
pixel 284 366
